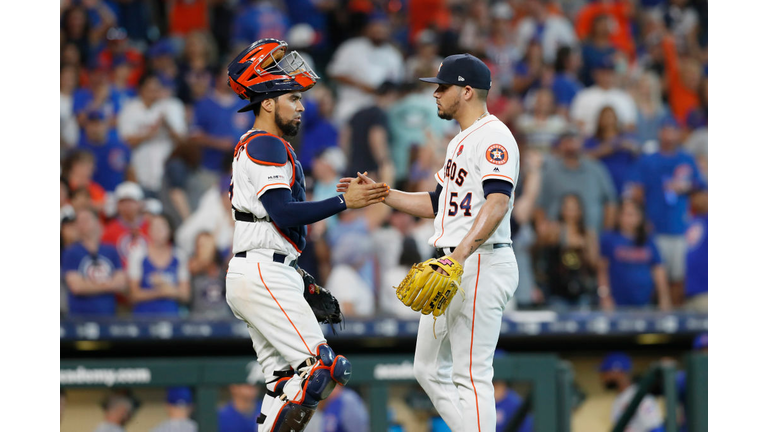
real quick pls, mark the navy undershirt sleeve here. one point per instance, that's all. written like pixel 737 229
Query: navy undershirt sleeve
pixel 497 186
pixel 434 196
pixel 286 212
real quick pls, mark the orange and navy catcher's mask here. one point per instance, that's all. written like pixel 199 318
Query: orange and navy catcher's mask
pixel 264 70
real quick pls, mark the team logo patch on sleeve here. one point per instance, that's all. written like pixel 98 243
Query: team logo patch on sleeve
pixel 497 154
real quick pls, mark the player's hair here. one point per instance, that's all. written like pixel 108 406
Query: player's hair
pixel 482 94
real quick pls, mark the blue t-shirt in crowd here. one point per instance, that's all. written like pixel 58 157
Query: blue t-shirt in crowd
pixel 111 158
pixel 565 88
pixel 231 420
pixel 258 21
pixel 697 259
pixel 656 173
pixel 506 409
pixel 345 413
pixel 98 267
pixel 619 164
pixel 630 268
pixel 161 306
pixel 220 120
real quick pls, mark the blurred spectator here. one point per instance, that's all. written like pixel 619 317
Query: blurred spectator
pixel 178 405
pixel 683 80
pixel 118 411
pixel 650 108
pixel 664 180
pixel 302 37
pixel 134 17
pixel 571 255
pixel 566 84
pixel 259 19
pixel 319 133
pixel 424 61
pixel 161 58
pixel 630 272
pixel 550 30
pixel 507 404
pixel 474 28
pixel 92 270
pixel 183 183
pixel 121 85
pixel 70 131
pixel 69 234
pixel 391 276
pixel 185 16
pixel 111 155
pixel 326 170
pixel 615 148
pixel 682 20
pixel 344 411
pixel 99 95
pixel 531 72
pixel 615 374
pixel 78 170
pixel 84 24
pixel 216 124
pixel 214 215
pixel 240 414
pixel 573 173
pixel 619 14
pixel 128 232
pixel 208 277
pixel 366 139
pixel 588 102
pixel 152 126
pixel 522 233
pixel 197 68
pixel 414 117
pixel 352 255
pixel 362 64
pixel 119 50
pixel 158 276
pixel 222 17
pixel 597 49
pixel 697 258
pixel 500 48
pixel 543 126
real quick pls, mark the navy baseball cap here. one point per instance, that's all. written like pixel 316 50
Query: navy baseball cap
pixel 669 121
pixel 179 396
pixel 616 361
pixel 462 70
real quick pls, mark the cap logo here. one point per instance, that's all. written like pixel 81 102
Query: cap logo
pixel 440 67
pixel 461 78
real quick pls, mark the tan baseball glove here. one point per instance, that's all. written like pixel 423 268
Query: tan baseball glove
pixel 429 291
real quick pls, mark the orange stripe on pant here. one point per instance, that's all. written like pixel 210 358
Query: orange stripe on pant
pixel 284 313
pixel 472 343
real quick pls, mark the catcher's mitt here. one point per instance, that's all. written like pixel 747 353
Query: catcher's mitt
pixel 323 303
pixel 425 289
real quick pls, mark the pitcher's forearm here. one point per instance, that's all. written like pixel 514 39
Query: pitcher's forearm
pixel 414 203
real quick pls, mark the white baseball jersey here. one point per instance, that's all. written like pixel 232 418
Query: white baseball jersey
pixel 262 162
pixel 485 150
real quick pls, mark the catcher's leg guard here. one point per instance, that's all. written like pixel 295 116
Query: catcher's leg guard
pixel 315 380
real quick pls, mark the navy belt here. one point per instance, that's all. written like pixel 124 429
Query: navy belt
pixel 495 246
pixel 276 257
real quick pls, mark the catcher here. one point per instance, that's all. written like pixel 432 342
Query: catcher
pixel 471 205
pixel 267 193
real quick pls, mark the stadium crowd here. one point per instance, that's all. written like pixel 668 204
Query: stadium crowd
pixel 607 100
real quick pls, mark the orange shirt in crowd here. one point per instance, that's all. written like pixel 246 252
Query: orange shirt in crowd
pixel 187 16
pixel 621 13
pixel 124 238
pixel 424 13
pixel 681 99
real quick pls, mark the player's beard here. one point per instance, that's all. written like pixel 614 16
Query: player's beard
pixel 288 128
pixel 449 111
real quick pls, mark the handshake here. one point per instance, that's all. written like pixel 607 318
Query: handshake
pixel 361 191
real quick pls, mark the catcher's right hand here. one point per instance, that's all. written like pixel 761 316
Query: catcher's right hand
pixel 427 290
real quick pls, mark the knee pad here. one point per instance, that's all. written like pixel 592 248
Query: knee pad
pixel 323 373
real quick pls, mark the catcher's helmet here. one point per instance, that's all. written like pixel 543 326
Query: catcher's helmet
pixel 264 70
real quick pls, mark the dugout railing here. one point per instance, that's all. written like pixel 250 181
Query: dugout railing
pixel 551 381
